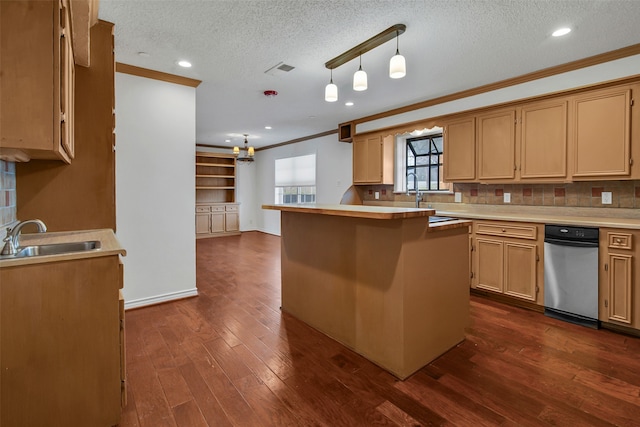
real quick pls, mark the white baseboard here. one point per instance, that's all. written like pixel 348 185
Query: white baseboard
pixel 158 299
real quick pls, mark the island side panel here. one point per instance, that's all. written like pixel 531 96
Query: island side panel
pixel 379 291
pixel 318 272
pixel 436 299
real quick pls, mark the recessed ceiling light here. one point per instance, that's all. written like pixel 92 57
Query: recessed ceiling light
pixel 227 140
pixel 185 64
pixel 267 127
pixel 561 32
pixel 348 104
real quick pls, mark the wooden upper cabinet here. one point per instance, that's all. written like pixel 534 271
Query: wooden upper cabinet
pixel 496 137
pixel 601 125
pixel 37 84
pixel 460 150
pixel 373 159
pixel 543 140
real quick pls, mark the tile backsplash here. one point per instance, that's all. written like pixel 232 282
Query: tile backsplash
pixel 7 194
pixel 624 194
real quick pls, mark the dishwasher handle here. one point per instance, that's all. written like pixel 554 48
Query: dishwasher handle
pixel 574 243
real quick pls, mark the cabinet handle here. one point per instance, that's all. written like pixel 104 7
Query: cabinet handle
pixel 606 267
pixel 472 274
pixel 504 231
pixel 618 240
pixel 606 303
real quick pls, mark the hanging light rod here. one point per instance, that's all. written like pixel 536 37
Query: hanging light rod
pixel 375 41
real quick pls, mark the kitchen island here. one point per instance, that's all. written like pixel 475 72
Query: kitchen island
pixel 380 280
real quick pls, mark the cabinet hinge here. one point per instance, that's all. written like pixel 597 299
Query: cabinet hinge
pixel 631 102
pixel 471 275
pixel 606 303
pixel 537 289
pixel 606 267
pixel 537 257
pixel 631 162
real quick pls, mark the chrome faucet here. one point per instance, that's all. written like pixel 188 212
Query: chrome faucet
pixel 415 186
pixel 11 240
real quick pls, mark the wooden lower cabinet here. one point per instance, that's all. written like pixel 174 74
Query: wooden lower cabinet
pixel 619 277
pixel 61 343
pixel 506 259
pixel 221 219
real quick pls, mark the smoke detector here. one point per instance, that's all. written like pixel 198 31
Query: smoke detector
pixel 270 94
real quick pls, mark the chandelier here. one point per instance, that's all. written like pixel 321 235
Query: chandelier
pixel 249 151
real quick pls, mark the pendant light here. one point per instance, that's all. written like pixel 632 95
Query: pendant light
pixel 331 90
pixel 248 157
pixel 360 78
pixel 397 65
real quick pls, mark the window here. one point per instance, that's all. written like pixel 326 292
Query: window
pixel 295 179
pixel 419 161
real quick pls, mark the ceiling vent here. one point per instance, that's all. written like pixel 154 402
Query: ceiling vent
pixel 279 69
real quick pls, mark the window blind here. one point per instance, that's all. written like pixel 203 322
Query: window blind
pixel 296 171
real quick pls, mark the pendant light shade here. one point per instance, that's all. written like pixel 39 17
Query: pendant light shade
pixel 331 91
pixel 360 79
pixel 397 64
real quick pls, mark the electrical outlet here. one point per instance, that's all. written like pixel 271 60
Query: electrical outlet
pixel 377 195
pixel 606 197
pixel 457 197
pixel 507 197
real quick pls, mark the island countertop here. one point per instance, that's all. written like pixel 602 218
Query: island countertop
pixel 356 211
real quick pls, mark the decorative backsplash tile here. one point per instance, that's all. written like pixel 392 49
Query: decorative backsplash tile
pixel 624 194
pixel 7 194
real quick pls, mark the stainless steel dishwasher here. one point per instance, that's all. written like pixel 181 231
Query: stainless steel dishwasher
pixel 571 274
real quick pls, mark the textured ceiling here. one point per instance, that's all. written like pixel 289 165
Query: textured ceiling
pixel 449 46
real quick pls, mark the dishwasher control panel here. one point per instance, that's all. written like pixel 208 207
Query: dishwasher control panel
pixel 571 233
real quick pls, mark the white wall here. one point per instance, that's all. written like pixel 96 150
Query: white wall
pixel 155 194
pixel 333 176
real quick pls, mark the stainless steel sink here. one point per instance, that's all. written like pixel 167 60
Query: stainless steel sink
pixel 57 248
pixel 434 218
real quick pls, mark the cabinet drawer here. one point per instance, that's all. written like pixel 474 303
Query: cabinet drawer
pixel 231 208
pixel 203 209
pixel 217 208
pixel 517 231
pixel 620 240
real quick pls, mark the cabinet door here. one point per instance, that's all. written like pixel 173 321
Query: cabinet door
pixel 489 265
pixel 217 222
pixel 460 150
pixel 32 70
pixel 496 145
pixel 67 83
pixel 231 221
pixel 601 133
pixel 367 160
pixel 202 223
pixel 520 270
pixel 620 285
pixel 543 143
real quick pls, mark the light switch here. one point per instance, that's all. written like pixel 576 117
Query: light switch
pixel 457 197
pixel 606 197
pixel 507 197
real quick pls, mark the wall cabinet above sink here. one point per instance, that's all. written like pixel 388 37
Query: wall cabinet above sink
pixel 579 136
pixel 38 80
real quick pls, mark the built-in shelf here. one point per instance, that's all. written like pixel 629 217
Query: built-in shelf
pixel 216 210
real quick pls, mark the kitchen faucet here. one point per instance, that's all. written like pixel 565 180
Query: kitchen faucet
pixel 11 240
pixel 415 186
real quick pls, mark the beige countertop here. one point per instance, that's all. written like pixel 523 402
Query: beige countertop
pixel 356 211
pixel 109 245
pixel 587 217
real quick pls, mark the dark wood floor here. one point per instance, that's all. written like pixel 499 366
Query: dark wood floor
pixel 230 358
